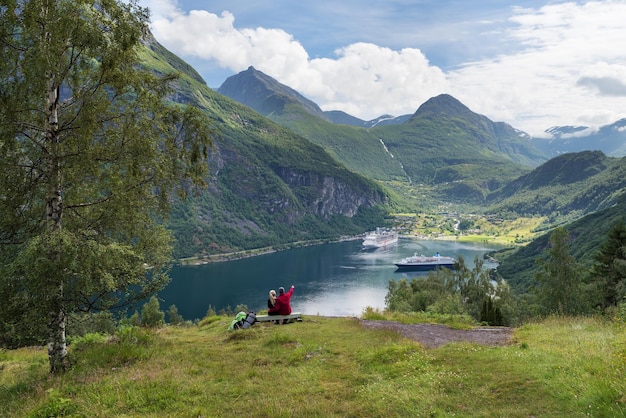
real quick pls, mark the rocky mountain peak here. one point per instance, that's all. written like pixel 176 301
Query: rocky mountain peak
pixel 261 92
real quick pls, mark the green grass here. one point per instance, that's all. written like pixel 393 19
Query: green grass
pixel 505 232
pixel 325 367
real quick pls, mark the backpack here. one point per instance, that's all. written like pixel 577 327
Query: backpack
pixel 238 321
pixel 250 320
pixel 243 320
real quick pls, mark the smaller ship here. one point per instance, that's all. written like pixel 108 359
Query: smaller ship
pixel 422 262
pixel 379 239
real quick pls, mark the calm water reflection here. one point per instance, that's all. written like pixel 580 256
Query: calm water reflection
pixel 332 279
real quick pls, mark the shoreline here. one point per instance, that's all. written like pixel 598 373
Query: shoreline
pixel 238 255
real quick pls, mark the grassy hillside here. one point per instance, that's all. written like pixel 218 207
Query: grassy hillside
pixel 329 367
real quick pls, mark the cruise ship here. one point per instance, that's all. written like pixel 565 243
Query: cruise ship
pixel 422 262
pixel 379 239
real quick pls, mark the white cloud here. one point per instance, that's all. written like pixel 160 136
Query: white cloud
pixel 571 70
pixel 363 79
pixel 367 80
pixel 566 65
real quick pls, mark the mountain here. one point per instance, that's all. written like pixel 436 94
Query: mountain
pixel 342 118
pixel 570 184
pixel 610 139
pixel 264 94
pixel 267 96
pixel 357 148
pixel 268 186
pixel 464 154
pixel 447 121
pixel 460 155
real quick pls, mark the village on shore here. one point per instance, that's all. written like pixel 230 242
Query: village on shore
pixel 441 226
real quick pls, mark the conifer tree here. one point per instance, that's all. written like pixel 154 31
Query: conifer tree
pixel 609 270
pixel 561 288
pixel 89 153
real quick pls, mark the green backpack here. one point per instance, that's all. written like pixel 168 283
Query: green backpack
pixel 238 322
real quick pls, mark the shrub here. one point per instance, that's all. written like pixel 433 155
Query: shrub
pixel 174 317
pixel 372 314
pixel 91 338
pixel 55 406
pixel 130 334
pixel 151 314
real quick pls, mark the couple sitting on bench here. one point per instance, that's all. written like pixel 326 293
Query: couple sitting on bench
pixel 281 304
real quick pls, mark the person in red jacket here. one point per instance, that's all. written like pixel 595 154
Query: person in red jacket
pixel 283 303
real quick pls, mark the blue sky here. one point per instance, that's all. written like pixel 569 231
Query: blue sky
pixel 532 64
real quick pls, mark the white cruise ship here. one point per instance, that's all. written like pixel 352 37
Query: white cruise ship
pixel 379 238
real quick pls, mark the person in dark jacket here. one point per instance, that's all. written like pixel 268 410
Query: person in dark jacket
pixel 283 303
pixel 271 302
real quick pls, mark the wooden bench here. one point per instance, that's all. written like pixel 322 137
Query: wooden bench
pixel 269 318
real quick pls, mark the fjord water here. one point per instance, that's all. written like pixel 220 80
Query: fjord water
pixel 338 279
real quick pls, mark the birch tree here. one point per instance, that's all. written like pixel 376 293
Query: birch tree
pixel 90 150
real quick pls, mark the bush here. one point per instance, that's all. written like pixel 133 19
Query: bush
pixel 620 314
pixel 91 338
pixel 55 406
pixel 174 317
pixel 130 334
pixel 372 314
pixel 151 314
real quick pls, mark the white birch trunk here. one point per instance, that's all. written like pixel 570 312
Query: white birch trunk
pixel 57 346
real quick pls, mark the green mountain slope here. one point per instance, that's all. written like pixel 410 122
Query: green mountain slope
pixel 568 186
pixel 464 154
pixel 272 186
pixel 356 148
pixel 268 186
pixel 444 144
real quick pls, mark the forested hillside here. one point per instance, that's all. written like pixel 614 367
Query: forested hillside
pixel 269 181
pixel 586 235
pixel 464 154
pixel 268 186
pixel 566 187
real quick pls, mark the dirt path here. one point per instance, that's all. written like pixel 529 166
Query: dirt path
pixel 432 335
